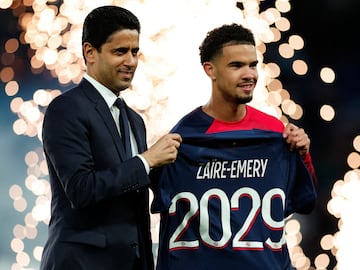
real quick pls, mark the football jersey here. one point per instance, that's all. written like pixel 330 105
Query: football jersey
pixel 224 201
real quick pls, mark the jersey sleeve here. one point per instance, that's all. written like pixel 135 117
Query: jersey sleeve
pixel 301 191
pixel 160 179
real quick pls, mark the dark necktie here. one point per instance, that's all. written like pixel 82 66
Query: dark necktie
pixel 124 126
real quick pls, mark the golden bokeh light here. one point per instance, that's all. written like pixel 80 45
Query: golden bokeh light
pixel 274 84
pixel 23 259
pixel 19 231
pixel 283 6
pixel 298 113
pixel 296 42
pixel 353 160
pixel 7 74
pixel 286 51
pixel 4 4
pixel 30 221
pixel 37 252
pixel 17 245
pixel 327 75
pixel 20 204
pixel 356 143
pixel 11 88
pixel 322 261
pixel 11 45
pixel 327 242
pixel 300 67
pixel 283 24
pixel 15 192
pixel 327 112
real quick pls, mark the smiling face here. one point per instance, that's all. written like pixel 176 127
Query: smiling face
pixel 114 64
pixel 233 73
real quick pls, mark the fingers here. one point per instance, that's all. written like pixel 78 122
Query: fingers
pixel 174 139
pixel 297 139
pixel 171 143
pixel 175 136
pixel 289 128
pixel 174 142
pixel 163 151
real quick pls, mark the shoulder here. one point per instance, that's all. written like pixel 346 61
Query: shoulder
pixel 69 105
pixel 194 121
pixel 264 120
pixel 63 105
pixel 254 111
pixel 76 97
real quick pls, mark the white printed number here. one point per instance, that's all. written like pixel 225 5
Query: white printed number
pixel 239 242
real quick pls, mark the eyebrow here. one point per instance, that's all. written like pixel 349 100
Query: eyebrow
pixel 126 49
pixel 254 63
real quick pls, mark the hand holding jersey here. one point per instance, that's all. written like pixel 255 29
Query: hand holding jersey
pixel 163 151
pixel 297 138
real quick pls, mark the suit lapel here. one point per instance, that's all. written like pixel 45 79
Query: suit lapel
pixel 102 109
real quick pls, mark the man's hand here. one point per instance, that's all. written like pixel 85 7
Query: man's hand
pixel 297 138
pixel 164 151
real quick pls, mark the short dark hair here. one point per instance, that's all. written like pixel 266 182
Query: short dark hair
pixel 224 35
pixel 103 21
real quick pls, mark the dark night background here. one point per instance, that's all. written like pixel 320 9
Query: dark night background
pixel 328 28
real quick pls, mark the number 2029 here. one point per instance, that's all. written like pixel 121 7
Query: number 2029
pixel 259 205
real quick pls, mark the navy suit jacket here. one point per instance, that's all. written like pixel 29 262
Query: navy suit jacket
pixel 100 203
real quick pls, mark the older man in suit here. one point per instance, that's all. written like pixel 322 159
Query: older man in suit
pixel 100 205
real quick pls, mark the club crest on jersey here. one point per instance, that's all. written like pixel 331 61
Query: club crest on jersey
pixel 234 169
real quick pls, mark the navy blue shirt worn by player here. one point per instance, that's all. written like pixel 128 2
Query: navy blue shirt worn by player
pixel 223 203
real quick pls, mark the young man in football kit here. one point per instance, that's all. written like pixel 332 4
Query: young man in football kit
pixel 238 175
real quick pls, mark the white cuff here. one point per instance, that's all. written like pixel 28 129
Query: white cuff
pixel 146 164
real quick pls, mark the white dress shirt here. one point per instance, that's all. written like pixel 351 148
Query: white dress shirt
pixel 110 99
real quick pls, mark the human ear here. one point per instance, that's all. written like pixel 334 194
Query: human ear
pixel 88 51
pixel 209 70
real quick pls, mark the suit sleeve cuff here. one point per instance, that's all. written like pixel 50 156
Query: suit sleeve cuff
pixel 146 164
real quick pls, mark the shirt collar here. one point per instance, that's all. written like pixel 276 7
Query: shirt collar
pixel 105 92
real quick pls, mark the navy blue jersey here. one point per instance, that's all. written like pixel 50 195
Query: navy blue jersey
pixel 224 201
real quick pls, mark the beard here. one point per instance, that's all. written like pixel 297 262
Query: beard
pixel 244 100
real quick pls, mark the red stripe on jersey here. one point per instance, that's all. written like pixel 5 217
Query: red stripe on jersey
pixel 254 119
